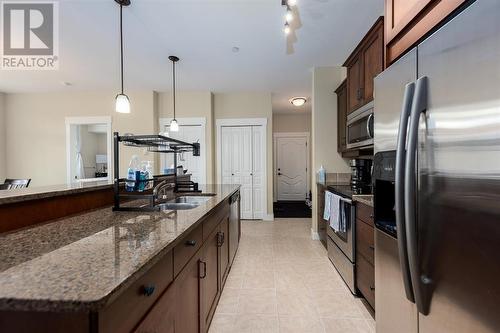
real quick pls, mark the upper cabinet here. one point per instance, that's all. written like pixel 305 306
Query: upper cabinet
pixel 341 117
pixel 408 21
pixel 366 62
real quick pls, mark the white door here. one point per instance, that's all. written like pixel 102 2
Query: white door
pixel 242 163
pixel 291 168
pixel 194 164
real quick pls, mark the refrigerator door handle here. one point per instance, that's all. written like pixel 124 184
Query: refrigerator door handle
pixel 419 106
pixel 399 194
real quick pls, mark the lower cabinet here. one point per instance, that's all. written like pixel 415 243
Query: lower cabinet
pixel 209 277
pixel 224 249
pixel 161 319
pixel 187 297
pixel 322 224
pixel 365 252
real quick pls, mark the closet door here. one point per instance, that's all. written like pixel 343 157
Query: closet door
pixel 227 155
pixel 243 170
pixel 258 181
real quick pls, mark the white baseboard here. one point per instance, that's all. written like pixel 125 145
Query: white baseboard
pixel 314 234
pixel 268 217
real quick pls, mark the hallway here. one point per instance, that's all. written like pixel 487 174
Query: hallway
pixel 282 281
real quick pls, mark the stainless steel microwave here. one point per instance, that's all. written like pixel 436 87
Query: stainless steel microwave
pixel 359 130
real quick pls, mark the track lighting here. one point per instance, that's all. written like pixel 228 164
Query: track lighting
pixel 287 28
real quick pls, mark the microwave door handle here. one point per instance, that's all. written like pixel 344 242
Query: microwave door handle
pixel 399 190
pixel 368 121
pixel 419 106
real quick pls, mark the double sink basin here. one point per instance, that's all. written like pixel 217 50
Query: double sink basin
pixel 184 202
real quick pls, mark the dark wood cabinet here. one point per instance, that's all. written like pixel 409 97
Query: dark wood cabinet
pixel 234 225
pixel 161 319
pixel 341 116
pixel 210 277
pixel 224 249
pixel 409 21
pixel 187 296
pixel 364 63
pixel 365 252
pixel 322 224
pixel 354 84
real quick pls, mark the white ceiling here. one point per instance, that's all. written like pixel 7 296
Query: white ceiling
pixel 202 33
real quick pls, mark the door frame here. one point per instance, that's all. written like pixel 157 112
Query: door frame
pixel 234 122
pixel 69 121
pixel 191 121
pixel 277 135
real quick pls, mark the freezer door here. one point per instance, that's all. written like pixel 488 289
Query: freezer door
pixel 389 92
pixel 458 202
pixel 394 314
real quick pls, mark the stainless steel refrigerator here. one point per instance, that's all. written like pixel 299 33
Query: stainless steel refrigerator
pixel 437 180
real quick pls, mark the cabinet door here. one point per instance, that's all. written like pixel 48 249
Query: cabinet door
pixel 161 318
pixel 341 117
pixel 224 249
pixel 209 277
pixel 373 62
pixel 354 79
pixel 408 21
pixel 187 297
pixel 234 228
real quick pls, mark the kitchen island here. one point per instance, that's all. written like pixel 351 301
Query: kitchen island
pixel 105 271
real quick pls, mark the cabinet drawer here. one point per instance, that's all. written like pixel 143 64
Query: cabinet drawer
pixel 365 241
pixel 365 279
pixel 364 213
pixel 214 219
pixel 127 310
pixel 187 248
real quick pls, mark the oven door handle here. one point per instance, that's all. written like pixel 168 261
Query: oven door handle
pixel 419 106
pixel 399 190
pixel 349 201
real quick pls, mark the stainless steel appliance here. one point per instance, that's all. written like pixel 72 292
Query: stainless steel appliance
pixel 437 180
pixel 341 245
pixel 359 129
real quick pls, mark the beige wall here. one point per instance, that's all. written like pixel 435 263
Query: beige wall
pixel 193 105
pixel 250 105
pixel 36 132
pixel 324 126
pixel 300 122
pixel 3 157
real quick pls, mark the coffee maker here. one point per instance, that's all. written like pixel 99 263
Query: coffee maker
pixel 361 176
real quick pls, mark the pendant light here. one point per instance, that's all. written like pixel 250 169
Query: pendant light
pixel 174 126
pixel 122 103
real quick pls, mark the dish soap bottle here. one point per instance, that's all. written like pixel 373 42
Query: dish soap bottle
pixel 322 175
pixel 133 169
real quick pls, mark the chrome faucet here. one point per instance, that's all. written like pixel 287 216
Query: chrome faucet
pixel 160 190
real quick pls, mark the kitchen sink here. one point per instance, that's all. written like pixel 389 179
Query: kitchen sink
pixel 171 205
pixel 191 199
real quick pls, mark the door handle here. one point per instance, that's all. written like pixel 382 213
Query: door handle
pixel 419 106
pixel 279 173
pixel 204 269
pixel 399 190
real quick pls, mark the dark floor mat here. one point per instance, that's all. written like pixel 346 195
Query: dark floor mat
pixel 291 209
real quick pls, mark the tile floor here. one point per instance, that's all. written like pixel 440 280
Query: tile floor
pixel 282 281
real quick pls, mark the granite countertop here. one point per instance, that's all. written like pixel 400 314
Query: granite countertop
pixel 366 199
pixel 341 189
pixel 41 192
pixel 81 263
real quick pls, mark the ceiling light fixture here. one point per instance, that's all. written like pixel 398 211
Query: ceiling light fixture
pixel 122 103
pixel 287 28
pixel 174 126
pixel 298 101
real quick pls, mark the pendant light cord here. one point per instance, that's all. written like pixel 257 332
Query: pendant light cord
pixel 174 86
pixel 121 44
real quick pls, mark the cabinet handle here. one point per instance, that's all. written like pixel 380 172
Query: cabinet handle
pixel 220 239
pixel 148 290
pixel 372 248
pixel 372 216
pixel 372 288
pixel 190 243
pixel 204 270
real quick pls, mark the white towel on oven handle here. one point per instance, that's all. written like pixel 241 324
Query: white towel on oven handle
pixel 328 200
pixel 335 212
